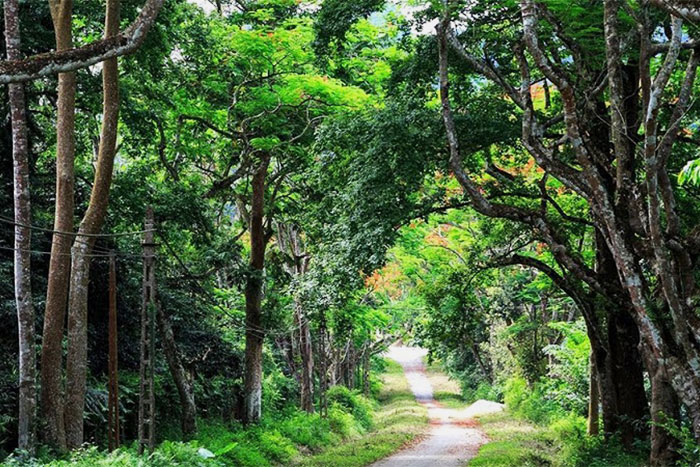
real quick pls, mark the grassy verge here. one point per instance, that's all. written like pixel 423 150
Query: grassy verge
pixel 446 390
pixel 513 442
pixel 399 420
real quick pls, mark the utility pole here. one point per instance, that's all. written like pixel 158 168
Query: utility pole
pixel 113 406
pixel 146 428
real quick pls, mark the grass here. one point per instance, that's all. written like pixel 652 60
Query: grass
pixel 446 390
pixel 399 421
pixel 513 443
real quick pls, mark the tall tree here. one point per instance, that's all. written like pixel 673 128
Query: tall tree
pixel 67 59
pixel 22 244
pixel 297 259
pixel 59 266
pixel 254 333
pixel 76 362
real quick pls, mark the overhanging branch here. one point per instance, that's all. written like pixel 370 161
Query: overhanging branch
pixel 51 63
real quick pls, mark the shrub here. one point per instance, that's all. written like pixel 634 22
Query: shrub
pixel 246 455
pixel 276 391
pixel 688 449
pixel 341 422
pixel 305 429
pixel 354 403
pixel 530 402
pixel 276 447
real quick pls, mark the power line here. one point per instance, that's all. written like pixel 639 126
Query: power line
pixel 7 220
pixel 104 253
pixel 38 252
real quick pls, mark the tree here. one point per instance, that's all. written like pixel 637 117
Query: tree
pixel 624 208
pixel 22 244
pixel 59 268
pixel 76 360
pixel 67 59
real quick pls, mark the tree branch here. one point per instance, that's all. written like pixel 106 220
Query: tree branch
pixel 51 63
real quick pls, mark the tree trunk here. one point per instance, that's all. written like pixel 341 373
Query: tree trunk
pixel 366 370
pixel 290 242
pixel 253 299
pixel 664 410
pixel 22 255
pixel 622 375
pixel 307 364
pixel 628 375
pixel 76 364
pixel 184 388
pixel 59 264
pixel 323 367
pixel 593 400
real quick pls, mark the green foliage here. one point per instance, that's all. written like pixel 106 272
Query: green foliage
pixel 529 402
pixel 688 448
pixel 309 430
pixel 169 453
pixel 561 444
pixel 337 17
pixel 399 420
pixel 567 381
pixel 690 173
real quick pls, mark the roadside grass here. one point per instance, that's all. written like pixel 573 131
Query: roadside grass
pixel 446 390
pixel 399 420
pixel 513 443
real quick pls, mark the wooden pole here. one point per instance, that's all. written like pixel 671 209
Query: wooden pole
pixel 146 427
pixel 113 409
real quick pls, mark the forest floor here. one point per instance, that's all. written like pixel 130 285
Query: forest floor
pixel 454 436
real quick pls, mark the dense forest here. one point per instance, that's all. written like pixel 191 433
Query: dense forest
pixel 218 216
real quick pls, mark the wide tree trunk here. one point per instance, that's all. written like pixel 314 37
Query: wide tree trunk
pixel 664 410
pixel 177 370
pixel 23 243
pixel 76 365
pixel 252 379
pixel 593 425
pixel 59 264
pixel 620 367
pixel 627 374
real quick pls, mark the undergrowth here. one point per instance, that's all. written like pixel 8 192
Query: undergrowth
pixel 356 431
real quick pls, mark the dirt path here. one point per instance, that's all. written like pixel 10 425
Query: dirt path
pixel 453 438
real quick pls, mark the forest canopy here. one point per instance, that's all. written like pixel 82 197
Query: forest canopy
pixel 217 216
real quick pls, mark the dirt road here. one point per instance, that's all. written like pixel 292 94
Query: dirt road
pixel 453 438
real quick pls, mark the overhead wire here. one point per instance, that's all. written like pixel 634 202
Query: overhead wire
pixel 104 253
pixel 7 220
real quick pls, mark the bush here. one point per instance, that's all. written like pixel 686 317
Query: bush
pixel 275 446
pixel 341 422
pixel 169 453
pixel 482 391
pixel 309 430
pixel 530 402
pixel 354 403
pixel 688 449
